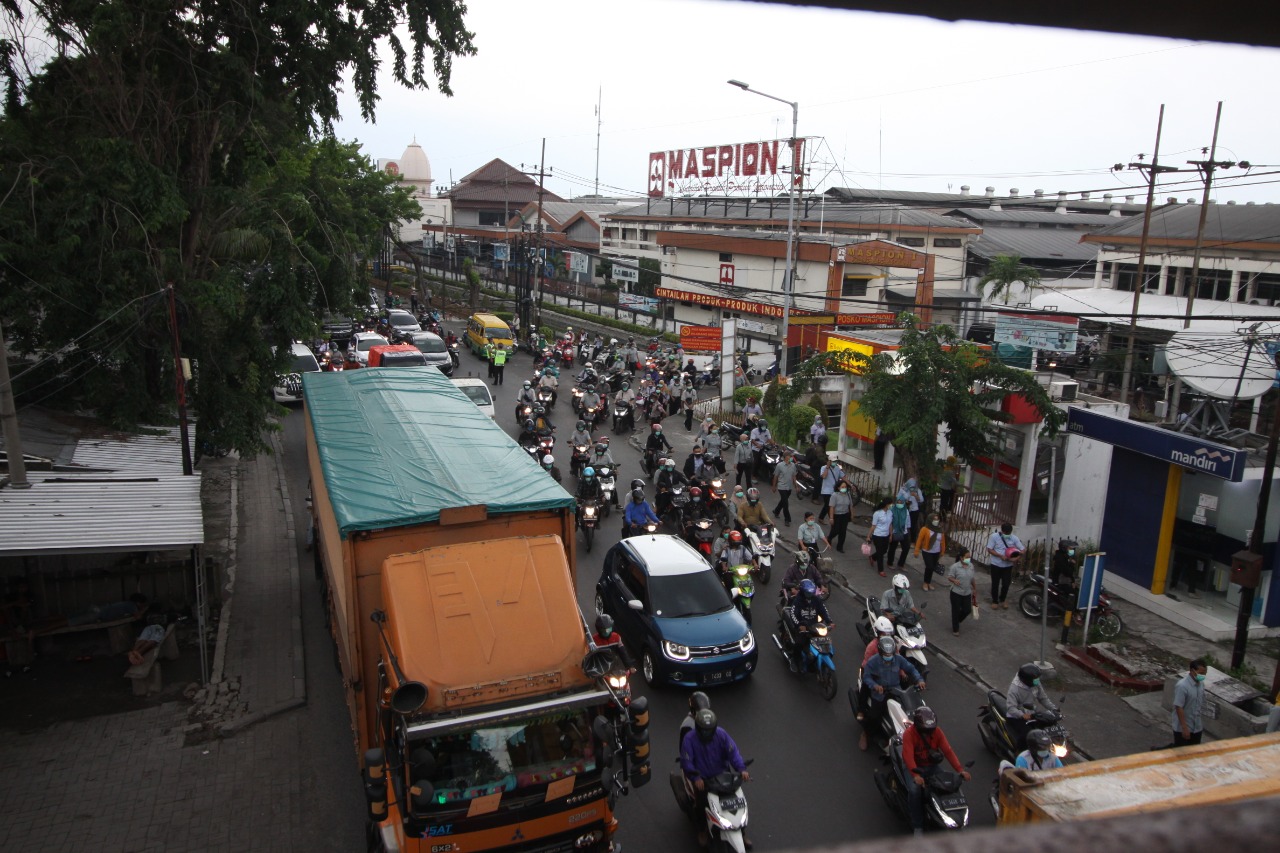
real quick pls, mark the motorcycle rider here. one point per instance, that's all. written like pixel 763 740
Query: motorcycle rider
pixel 883 672
pixel 712 443
pixel 924 746
pixel 801 569
pixel 625 394
pixel 705 752
pixel 761 438
pixel 541 421
pixel 809 534
pixel 527 396
pixel 656 445
pixel 550 381
pixel 580 436
pixel 1064 569
pixel 591 399
pixel 606 636
pixel 752 513
pixel 638 513
pixel 528 435
pixel 799 616
pixel 897 600
pixel 883 628
pixel 736 552
pixel 601 457
pixel 751 411
pixel 549 465
pixel 1039 752
pixel 696 466
pixel 667 478
pixel 698 701
pixel 588 489
pixel 1020 702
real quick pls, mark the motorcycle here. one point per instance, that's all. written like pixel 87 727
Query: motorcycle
pixel 726 811
pixel 770 456
pixel 641 529
pixel 763 544
pixel 547 397
pixel 999 739
pixel 743 589
pixel 577 399
pixel 818 655
pixel 566 355
pixel 945 805
pixel 453 353
pixel 592 414
pixel 677 505
pixel 650 462
pixel 717 501
pixel 608 479
pixel 1104 618
pixel 900 704
pixel 588 520
pixel 700 533
pixel 524 412
pixel 907 632
pixel 579 459
pixel 623 417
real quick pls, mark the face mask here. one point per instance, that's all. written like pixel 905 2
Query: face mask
pixel 739 495
pixel 886 658
pixel 844 491
pixel 1199 676
pixel 1042 753
pixel 967 561
pixel 1035 682
pixel 900 506
pixel 1071 552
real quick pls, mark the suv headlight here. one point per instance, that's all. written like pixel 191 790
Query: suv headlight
pixel 748 642
pixel 675 651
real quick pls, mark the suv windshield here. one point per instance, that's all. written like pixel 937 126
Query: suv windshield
pixel 478 394
pixel 304 364
pixel 521 754
pixel 432 344
pixel 693 594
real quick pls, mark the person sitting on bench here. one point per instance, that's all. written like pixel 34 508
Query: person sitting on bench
pixel 151 637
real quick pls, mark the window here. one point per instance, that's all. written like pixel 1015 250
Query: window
pixel 946 242
pixel 726 257
pixel 854 286
pixel 491 217
pixel 916 242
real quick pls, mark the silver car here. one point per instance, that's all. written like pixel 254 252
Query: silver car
pixel 434 349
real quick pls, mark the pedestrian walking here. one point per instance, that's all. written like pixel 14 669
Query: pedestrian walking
pixel 930 544
pixel 499 364
pixel 743 460
pixel 688 397
pixel 814 458
pixel 914 498
pixel 881 526
pixel 899 532
pixel 1005 550
pixel 413 301
pixel 964 590
pixel 829 475
pixel 784 482
pixel 1188 703
pixel 841 514
pixel 948 480
pixel 809 534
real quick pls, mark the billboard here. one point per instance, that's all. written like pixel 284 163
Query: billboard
pixel 632 302
pixel 740 167
pixel 618 272
pixel 700 338
pixel 1056 332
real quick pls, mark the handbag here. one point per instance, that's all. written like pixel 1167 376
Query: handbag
pixel 866 549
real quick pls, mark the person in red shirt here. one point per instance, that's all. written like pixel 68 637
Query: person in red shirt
pixel 924 747
pixel 606 636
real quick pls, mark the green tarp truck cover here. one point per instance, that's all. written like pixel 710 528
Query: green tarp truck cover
pixel 397 445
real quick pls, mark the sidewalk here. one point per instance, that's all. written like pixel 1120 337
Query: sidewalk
pixel 195 777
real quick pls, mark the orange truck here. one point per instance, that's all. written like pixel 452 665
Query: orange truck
pixel 396 355
pixel 485 716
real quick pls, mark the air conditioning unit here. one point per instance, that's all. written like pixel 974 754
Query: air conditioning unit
pixel 1162 409
pixel 1064 392
pixel 668 250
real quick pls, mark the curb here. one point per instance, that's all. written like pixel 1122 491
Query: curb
pixel 295 589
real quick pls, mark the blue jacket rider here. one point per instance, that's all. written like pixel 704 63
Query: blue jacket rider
pixel 707 750
pixel 638 511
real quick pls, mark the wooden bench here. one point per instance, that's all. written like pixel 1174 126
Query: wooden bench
pixel 120 633
pixel 146 676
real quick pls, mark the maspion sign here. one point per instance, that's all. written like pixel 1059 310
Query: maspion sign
pixel 1207 457
pixel 743 167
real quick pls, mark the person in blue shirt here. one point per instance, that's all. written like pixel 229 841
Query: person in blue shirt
pixel 1039 753
pixel 708 751
pixel 638 513
pixel 885 670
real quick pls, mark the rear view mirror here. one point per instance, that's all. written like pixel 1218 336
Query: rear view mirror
pixel 636 604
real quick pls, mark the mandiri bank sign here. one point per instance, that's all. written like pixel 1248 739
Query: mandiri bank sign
pixel 742 167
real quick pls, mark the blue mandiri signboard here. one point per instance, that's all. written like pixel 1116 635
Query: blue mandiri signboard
pixel 1207 457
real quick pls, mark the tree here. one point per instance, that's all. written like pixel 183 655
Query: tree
pixel 937 380
pixel 1003 273
pixel 186 144
pixel 650 277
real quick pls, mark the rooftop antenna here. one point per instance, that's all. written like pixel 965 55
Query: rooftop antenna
pixel 599 117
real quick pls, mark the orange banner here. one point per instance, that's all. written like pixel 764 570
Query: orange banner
pixel 700 338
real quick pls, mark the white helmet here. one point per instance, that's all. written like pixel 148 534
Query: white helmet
pixel 900 581
pixel 883 625
pixel 548 460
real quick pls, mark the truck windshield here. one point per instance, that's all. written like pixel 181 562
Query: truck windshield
pixel 512 756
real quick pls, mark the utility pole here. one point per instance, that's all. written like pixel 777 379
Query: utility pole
pixel 1255 544
pixel 599 117
pixel 180 381
pixel 9 415
pixel 1152 171
pixel 541 174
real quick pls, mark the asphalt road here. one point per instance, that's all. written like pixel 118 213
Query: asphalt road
pixel 811 784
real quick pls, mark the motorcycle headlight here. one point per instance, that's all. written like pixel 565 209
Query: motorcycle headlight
pixel 704 524
pixel 821 630
pixel 742 571
pixel 1060 750
pixel 748 642
pixel 675 651
pixel 589 511
pixel 617 682
pixel 717 484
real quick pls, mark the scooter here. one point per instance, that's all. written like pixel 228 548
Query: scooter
pixel 743 589
pixel 608 479
pixel 547 397
pixel 900 704
pixel 592 414
pixel 763 544
pixel 907 632
pixel 579 459
pixel 818 655
pixel 945 805
pixel 623 418
pixel 998 738
pixel 726 811
pixel 588 520
pixel 677 505
pixel 453 353
pixel 717 501
pixel 1104 618
pixel 700 533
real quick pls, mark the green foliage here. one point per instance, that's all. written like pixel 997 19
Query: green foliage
pixel 472 276
pixel 770 401
pixel 650 276
pixel 604 269
pixel 799 417
pixel 931 384
pixel 741 395
pixel 155 144
pixel 1003 273
pixel 819 407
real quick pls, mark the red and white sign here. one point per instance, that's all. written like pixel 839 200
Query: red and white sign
pixel 700 338
pixel 726 273
pixel 749 167
pixel 742 305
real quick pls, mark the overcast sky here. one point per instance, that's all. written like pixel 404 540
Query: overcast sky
pixel 899 102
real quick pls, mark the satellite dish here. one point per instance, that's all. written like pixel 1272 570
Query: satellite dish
pixel 1214 364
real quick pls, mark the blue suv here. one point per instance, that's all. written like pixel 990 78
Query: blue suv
pixel 674 613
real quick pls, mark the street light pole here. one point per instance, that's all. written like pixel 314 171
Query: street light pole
pixel 791 218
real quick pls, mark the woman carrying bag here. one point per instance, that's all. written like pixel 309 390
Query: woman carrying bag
pixel 899 532
pixel 930 544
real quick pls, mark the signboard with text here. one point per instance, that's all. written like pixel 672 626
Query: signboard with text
pixel 624 273
pixel 700 338
pixel 707 299
pixel 875 319
pixel 1206 457
pixel 633 302
pixel 758 328
pixel 1056 332
pixel 741 167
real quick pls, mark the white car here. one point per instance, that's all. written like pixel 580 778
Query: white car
pixel 478 392
pixel 288 387
pixel 358 349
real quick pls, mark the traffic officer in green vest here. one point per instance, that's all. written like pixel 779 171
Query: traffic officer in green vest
pixel 499 363
pixel 487 352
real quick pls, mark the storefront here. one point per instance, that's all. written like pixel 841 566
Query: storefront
pixel 1177 507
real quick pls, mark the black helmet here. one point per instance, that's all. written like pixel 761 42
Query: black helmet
pixel 1028 673
pixel 924 718
pixel 886 646
pixel 528 424
pixel 604 625
pixel 1038 740
pixel 699 701
pixel 539 409
pixel 705 723
pixel 582 426
pixel 637 483
pixel 637 495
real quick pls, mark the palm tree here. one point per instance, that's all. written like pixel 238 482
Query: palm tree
pixel 1004 272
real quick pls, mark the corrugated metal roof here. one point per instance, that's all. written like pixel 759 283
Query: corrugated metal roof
pixel 812 212
pixel 138 455
pixel 80 513
pixel 1071 219
pixel 1034 243
pixel 1208 316
pixel 1224 223
pixel 1047 201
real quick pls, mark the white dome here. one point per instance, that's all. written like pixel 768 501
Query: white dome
pixel 414 165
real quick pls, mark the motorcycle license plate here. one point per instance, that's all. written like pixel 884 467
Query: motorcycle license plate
pixel 732 804
pixel 951 801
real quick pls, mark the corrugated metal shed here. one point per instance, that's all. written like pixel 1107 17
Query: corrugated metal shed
pixel 812 212
pixel 1233 224
pixel 1034 243
pixel 138 455
pixel 1071 219
pixel 84 513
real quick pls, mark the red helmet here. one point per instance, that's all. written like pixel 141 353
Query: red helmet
pixel 735 536
pixel 695 493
